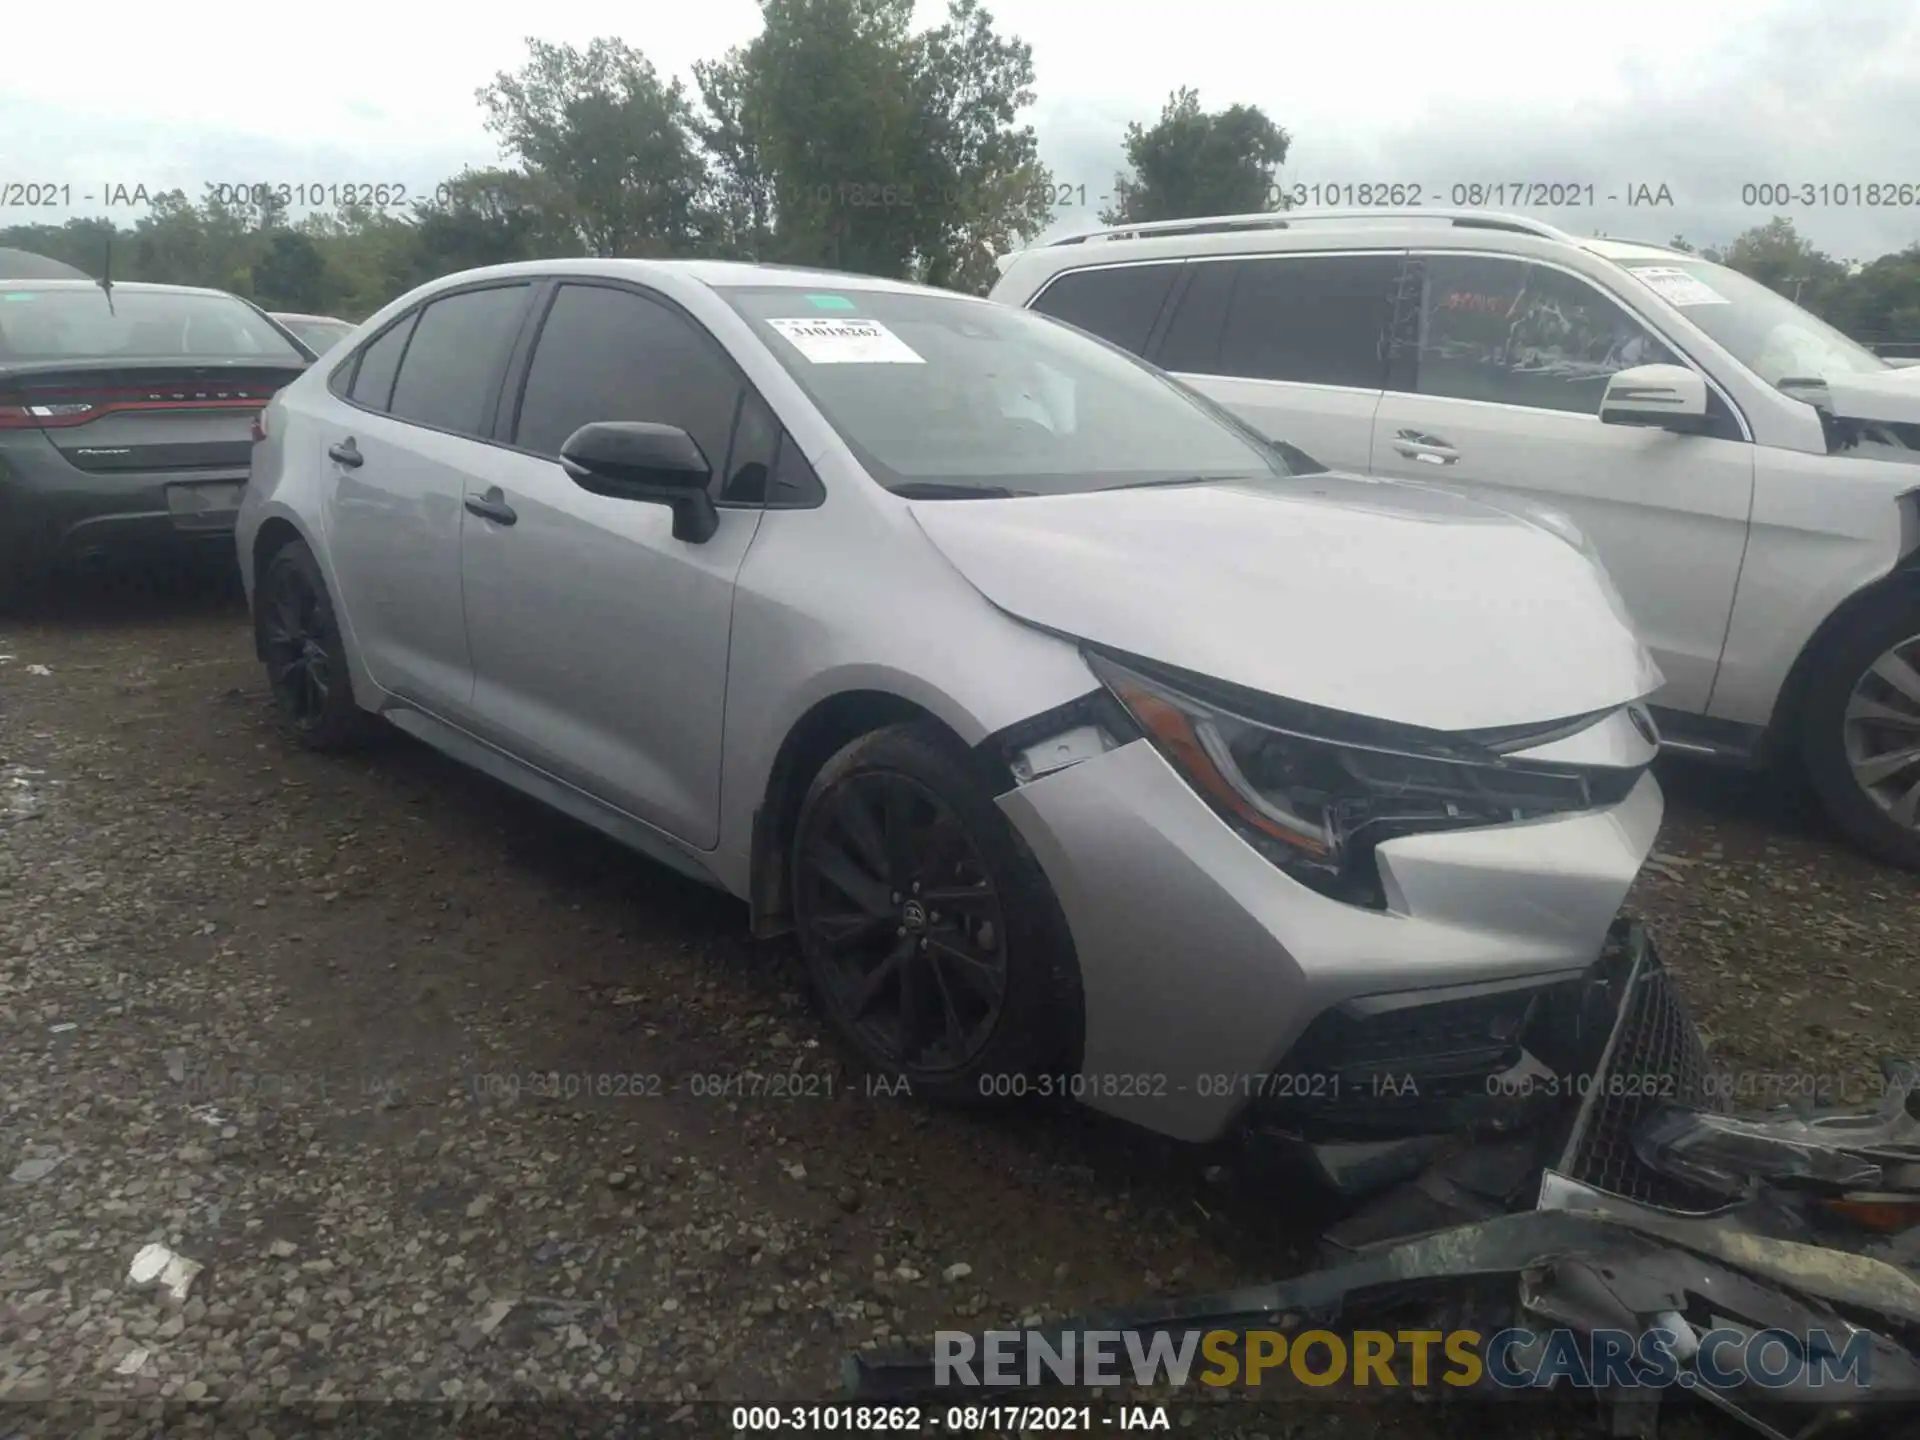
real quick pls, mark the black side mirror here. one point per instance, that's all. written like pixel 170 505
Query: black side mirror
pixel 631 460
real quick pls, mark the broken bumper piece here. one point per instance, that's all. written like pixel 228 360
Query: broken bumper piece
pixel 1666 1246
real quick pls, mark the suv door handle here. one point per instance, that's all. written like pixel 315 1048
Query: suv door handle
pixel 346 453
pixel 491 506
pixel 1430 449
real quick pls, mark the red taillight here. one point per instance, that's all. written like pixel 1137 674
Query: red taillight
pixel 46 417
pixel 259 431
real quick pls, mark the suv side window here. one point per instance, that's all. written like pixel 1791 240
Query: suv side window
pixel 453 364
pixel 609 354
pixel 1516 333
pixel 379 363
pixel 1310 319
pixel 1117 302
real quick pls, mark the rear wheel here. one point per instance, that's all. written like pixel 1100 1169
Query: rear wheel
pixel 930 935
pixel 306 662
pixel 1860 732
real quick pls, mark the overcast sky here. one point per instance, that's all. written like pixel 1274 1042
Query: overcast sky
pixel 1701 96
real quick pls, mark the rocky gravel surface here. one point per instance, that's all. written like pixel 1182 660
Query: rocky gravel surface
pixel 438 1097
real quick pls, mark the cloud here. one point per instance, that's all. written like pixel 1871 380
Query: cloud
pixel 1810 93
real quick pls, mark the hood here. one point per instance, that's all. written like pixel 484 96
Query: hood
pixel 1889 396
pixel 1376 598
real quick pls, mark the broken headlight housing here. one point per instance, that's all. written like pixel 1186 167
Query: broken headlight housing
pixel 1315 791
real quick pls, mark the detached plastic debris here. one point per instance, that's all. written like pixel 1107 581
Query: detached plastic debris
pixel 168 1269
pixel 38 670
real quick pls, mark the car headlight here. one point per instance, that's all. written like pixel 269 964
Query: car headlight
pixel 1316 791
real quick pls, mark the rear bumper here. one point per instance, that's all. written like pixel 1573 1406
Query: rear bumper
pixel 1205 970
pixel 53 513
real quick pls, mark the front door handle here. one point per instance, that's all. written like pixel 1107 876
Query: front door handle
pixel 491 506
pixel 346 453
pixel 1428 449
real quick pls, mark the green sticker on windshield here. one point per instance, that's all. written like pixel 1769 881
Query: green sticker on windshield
pixel 831 302
pixel 15 295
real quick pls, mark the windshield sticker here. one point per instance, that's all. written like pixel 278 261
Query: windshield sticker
pixel 846 342
pixel 1677 287
pixel 14 297
pixel 830 302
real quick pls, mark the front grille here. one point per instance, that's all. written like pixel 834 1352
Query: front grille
pixel 1655 1059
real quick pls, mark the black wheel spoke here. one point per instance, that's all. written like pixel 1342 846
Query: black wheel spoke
pixel 980 975
pixel 947 846
pixel 844 873
pixel 855 818
pixel 874 983
pixel 973 898
pixel 912 1002
pixel 956 1032
pixel 898 823
pixel 844 931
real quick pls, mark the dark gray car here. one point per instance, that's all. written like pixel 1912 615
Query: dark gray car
pixel 126 418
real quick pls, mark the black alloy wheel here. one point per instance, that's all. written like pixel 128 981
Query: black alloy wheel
pixel 925 925
pixel 299 642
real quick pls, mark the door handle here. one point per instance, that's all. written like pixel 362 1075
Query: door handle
pixel 491 506
pixel 1428 449
pixel 346 453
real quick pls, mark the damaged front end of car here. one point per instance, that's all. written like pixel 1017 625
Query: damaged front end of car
pixel 1769 1265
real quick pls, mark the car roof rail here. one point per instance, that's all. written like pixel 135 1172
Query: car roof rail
pixel 1289 219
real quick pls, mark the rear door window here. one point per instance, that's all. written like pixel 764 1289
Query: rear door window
pixel 1199 320
pixel 1117 302
pixel 455 361
pixel 1310 319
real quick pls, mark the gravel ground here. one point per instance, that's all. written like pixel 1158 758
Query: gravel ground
pixel 418 1074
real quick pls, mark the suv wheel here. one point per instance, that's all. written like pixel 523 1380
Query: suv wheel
pixel 931 937
pixel 1860 733
pixel 299 640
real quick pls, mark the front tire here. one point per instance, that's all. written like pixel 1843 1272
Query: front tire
pixel 931 937
pixel 1860 732
pixel 299 641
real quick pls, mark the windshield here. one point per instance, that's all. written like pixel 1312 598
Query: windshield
pixel 319 336
pixel 81 323
pixel 1765 331
pixel 944 396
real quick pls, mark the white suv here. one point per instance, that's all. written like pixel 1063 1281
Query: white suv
pixel 1746 473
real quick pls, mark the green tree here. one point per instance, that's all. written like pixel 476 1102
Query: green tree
pixel 841 137
pixel 1881 301
pixel 291 273
pixel 1191 162
pixel 813 128
pixel 489 217
pixel 978 182
pixel 79 243
pixel 1780 258
pixel 616 142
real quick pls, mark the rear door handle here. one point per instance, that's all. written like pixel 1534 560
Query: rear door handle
pixel 1428 449
pixel 491 506
pixel 346 453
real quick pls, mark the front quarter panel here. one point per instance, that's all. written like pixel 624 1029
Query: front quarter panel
pixel 851 596
pixel 1824 527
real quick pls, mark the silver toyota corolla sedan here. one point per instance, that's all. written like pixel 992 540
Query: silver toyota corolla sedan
pixel 1089 743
